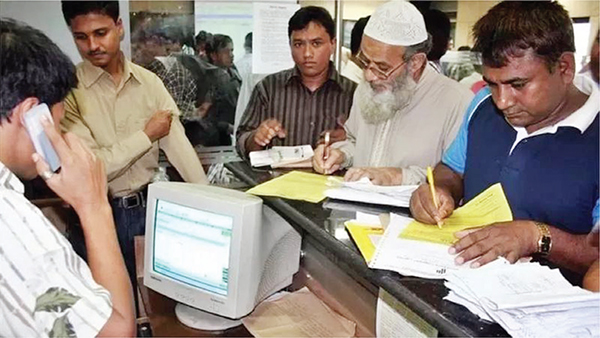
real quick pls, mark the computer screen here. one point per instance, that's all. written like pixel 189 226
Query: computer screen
pixel 182 231
pixel 216 250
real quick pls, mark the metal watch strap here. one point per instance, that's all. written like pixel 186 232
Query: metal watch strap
pixel 544 244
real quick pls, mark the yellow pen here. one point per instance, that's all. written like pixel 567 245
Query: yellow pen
pixel 432 188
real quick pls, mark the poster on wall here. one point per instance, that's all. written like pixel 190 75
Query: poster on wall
pixel 271 48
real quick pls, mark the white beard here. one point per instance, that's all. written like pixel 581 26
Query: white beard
pixel 378 107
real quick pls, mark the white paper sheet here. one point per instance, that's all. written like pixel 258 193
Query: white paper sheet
pixel 279 156
pixel 270 43
pixel 410 257
pixel 366 192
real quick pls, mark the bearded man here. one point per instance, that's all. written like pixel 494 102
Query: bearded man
pixel 404 114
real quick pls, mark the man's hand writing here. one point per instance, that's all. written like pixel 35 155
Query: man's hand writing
pixel 423 209
pixel 329 165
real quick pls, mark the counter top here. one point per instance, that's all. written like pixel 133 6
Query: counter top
pixel 323 224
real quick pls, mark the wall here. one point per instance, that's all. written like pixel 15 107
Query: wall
pixel 352 10
pixel 470 11
pixel 47 17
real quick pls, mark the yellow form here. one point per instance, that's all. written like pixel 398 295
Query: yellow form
pixel 486 208
pixel 296 185
pixel 365 236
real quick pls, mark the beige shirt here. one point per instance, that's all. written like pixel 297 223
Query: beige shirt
pixel 111 120
pixel 413 138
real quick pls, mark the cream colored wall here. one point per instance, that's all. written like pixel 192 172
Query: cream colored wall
pixel 468 12
pixel 352 10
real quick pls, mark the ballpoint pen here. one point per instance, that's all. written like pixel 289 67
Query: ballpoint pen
pixel 326 149
pixel 433 194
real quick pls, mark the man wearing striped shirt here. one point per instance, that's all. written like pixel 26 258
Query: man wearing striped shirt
pixel 46 290
pixel 294 106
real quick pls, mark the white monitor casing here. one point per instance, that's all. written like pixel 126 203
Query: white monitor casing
pixel 264 250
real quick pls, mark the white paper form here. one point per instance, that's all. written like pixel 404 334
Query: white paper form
pixel 280 156
pixel 411 257
pixel 394 319
pixel 270 44
pixel 365 191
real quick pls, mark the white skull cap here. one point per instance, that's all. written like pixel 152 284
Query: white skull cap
pixel 397 23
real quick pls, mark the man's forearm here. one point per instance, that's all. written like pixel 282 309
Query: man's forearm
pixel 571 251
pixel 446 178
pixel 107 266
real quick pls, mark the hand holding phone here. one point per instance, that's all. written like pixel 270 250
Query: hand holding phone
pixel 33 122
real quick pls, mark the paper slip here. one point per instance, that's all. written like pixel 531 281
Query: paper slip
pixel 411 257
pixel 365 236
pixel 365 191
pixel 486 208
pixel 278 157
pixel 527 300
pixel 296 185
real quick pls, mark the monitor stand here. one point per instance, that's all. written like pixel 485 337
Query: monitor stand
pixel 201 320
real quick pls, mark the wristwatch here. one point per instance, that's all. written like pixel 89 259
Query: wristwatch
pixel 544 244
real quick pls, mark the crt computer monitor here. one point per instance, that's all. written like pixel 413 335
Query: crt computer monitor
pixel 215 250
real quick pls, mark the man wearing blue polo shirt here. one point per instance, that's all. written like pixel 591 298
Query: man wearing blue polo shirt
pixel 534 130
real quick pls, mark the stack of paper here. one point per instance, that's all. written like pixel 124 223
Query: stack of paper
pixel 527 300
pixel 365 191
pixel 278 157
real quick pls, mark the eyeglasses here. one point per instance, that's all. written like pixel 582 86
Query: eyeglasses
pixel 365 64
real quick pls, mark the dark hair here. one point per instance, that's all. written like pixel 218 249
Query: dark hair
pixel 357 34
pixel 31 65
pixel 306 15
pixel 71 9
pixel 438 25
pixel 464 48
pixel 512 27
pixel 248 41
pixel 203 37
pixel 219 41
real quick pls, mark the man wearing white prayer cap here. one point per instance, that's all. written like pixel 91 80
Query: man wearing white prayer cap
pixel 405 114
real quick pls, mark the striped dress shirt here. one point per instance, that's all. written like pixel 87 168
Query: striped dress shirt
pixel 46 290
pixel 303 114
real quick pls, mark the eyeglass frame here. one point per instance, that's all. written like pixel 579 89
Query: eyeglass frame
pixel 380 74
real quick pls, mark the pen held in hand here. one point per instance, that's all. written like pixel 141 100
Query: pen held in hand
pixel 433 194
pixel 326 148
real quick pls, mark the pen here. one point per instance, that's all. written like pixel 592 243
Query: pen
pixel 326 149
pixel 432 189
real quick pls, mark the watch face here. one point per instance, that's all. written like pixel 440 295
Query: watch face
pixel 545 245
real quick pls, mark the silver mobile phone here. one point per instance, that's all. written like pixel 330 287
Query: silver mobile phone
pixel 33 123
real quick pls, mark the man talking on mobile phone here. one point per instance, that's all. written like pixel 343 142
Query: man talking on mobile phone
pixel 46 290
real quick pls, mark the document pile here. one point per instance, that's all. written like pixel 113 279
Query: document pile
pixel 527 300
pixel 365 191
pixel 283 157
